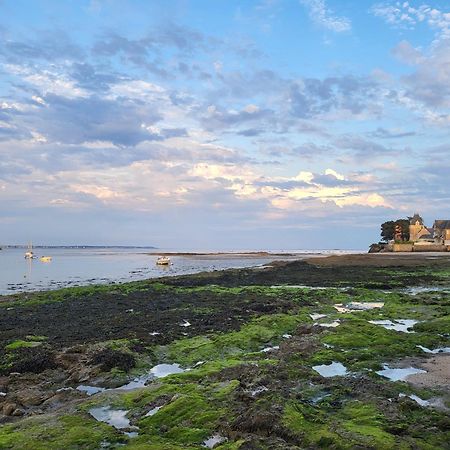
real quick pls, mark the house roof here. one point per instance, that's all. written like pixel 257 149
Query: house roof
pixel 416 218
pixel 442 224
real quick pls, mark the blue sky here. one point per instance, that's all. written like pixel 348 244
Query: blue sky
pixel 221 124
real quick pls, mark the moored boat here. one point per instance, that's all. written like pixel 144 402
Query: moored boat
pixel 163 261
pixel 45 258
pixel 29 253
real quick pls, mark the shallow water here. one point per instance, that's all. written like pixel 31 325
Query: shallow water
pixel 417 399
pixel 77 267
pixel 115 417
pixel 398 374
pixel 213 441
pixel 153 411
pixel 270 349
pixel 317 316
pixel 90 390
pixel 333 324
pixel 357 306
pixel 335 369
pixel 436 350
pixel 424 289
pixel 158 371
pixel 402 325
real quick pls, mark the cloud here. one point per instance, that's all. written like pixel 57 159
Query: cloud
pixel 383 133
pixel 430 83
pixel 360 147
pixel 46 45
pixel 78 120
pixel 217 118
pixel 406 53
pixel 404 15
pixel 321 15
pixel 312 97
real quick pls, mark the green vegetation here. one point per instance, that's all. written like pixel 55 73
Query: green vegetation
pixel 256 399
pixel 56 433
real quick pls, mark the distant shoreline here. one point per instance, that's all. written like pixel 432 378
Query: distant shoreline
pixel 82 246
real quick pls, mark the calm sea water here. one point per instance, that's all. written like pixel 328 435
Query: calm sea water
pixel 75 267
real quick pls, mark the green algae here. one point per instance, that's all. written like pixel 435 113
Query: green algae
pixel 50 433
pixel 211 397
pixel 250 338
pixel 22 344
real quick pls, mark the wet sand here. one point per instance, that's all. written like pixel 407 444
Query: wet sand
pixel 437 375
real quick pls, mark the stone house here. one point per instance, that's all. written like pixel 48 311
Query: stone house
pixel 442 231
pixel 418 231
pixel 420 235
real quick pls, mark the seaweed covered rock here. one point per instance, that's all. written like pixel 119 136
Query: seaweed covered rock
pixel 33 360
pixel 108 359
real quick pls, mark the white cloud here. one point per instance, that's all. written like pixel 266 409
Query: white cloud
pixel 403 15
pixel 323 16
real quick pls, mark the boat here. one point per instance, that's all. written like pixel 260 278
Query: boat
pixel 45 258
pixel 29 254
pixel 163 261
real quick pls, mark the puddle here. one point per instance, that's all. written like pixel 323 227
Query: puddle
pixel 317 316
pixel 114 417
pixel 158 371
pixel 300 286
pixel 335 369
pixel 398 374
pixel 90 390
pixel 153 411
pixel 259 390
pixel 163 370
pixel 436 350
pixel 319 397
pixel 357 306
pixel 418 400
pixel 424 289
pixel 270 349
pixel 214 440
pixel 199 363
pixel 333 324
pixel 402 325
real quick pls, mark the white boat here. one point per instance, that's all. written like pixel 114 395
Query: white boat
pixel 29 254
pixel 163 261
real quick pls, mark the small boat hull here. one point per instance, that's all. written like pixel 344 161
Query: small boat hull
pixel 163 261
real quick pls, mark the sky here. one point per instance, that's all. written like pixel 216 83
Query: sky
pixel 222 124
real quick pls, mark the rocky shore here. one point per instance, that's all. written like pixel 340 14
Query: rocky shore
pixel 339 352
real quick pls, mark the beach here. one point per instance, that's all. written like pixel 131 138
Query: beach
pixel 341 351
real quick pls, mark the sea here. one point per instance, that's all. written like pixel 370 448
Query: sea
pixel 102 265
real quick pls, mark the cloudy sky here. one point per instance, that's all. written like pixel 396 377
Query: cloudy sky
pixel 221 124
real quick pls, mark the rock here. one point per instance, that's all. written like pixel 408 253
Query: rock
pixel 31 397
pixel 9 408
pixel 18 412
pixel 376 248
pixel 4 381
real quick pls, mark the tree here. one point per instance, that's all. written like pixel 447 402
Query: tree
pixel 404 226
pixel 388 230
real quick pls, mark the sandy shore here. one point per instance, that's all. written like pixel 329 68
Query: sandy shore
pixel 437 375
pixel 234 255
